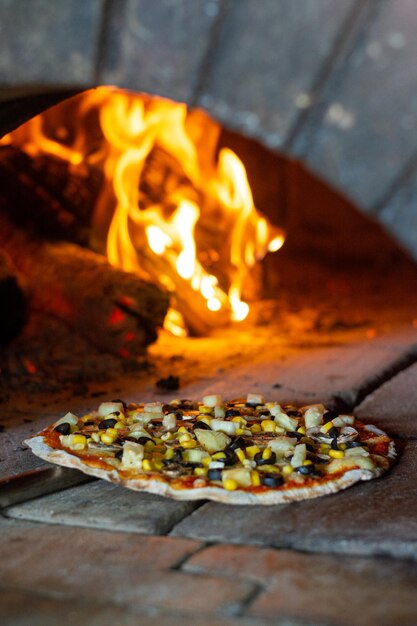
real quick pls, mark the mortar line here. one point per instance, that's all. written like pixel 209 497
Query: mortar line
pixel 402 364
pixel 183 560
pixel 204 70
pixel 198 505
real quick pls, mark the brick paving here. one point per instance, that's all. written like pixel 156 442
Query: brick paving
pixel 95 553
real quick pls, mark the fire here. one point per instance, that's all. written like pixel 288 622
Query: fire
pixel 180 215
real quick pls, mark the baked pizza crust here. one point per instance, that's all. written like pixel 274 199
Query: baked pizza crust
pixel 163 488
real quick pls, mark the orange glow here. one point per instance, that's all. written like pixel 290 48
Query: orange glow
pixel 171 209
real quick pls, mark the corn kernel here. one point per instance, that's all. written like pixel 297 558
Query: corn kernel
pixel 206 461
pixel 342 446
pixel 169 454
pixel 336 454
pixel 251 451
pixel 324 448
pixel 182 429
pixel 240 454
pixel 307 462
pixel 119 425
pixel 301 430
pixel 230 484
pixel 326 427
pixel 255 478
pixel 158 465
pixel 79 439
pixel 158 441
pixel 271 469
pixel 267 453
pixel 204 418
pixel 236 418
pixel 167 437
pixel 255 429
pixel 218 455
pixel 86 418
pixel 149 446
pixel 184 438
pixel 268 426
pixel 205 409
pixel 108 438
pixel 112 432
pixel 287 470
pixel 147 465
pixel 200 471
pixel 240 431
pixel 189 444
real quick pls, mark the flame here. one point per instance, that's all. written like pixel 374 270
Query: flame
pixel 171 210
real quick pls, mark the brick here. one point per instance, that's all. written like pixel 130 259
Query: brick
pixel 103 505
pixel 373 518
pixel 300 585
pixel 394 405
pixel 43 43
pixel 94 546
pixel 150 48
pixel 314 375
pixel 19 608
pixel 360 136
pixel 128 569
pixel 398 214
pixel 259 71
pixel 339 595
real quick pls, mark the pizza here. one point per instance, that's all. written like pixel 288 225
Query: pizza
pixel 246 451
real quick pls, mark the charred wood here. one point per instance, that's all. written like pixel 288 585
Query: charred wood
pixel 116 311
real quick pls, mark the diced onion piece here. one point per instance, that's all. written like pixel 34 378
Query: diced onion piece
pixel 153 407
pixel 224 426
pixel 136 431
pixel 281 445
pixel 194 455
pixel 69 418
pixel 212 401
pixel 343 420
pixel 357 451
pixel 142 418
pixel 255 398
pixel 169 421
pixel 241 475
pixel 219 411
pixel 212 441
pixel 313 416
pixel 106 408
pixel 287 422
pixel 132 456
pixel 349 462
pixel 300 453
pixel 73 442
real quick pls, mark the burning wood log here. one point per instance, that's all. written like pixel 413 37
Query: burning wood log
pixel 115 310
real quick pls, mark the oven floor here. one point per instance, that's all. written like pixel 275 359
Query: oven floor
pixel 87 552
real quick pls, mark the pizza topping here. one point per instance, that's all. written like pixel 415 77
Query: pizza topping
pixel 249 445
pixel 106 408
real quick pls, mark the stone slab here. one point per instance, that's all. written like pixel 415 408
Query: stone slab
pixel 158 47
pixel 103 505
pixel 128 569
pixel 314 374
pixel 48 43
pixel 260 75
pixel 398 213
pixel 374 518
pixel 366 111
pixel 394 405
pixel 20 608
pixel 301 585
